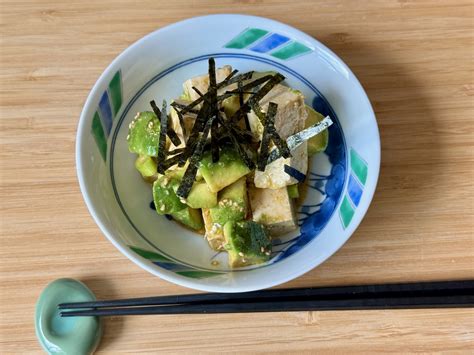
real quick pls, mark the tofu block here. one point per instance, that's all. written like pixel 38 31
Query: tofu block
pixel 202 82
pixel 274 176
pixel 291 113
pixel 274 209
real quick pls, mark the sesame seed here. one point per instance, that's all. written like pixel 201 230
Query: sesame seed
pixel 267 253
pixel 136 116
pixel 214 263
pixel 241 254
pixel 162 208
pixel 128 137
pixel 262 249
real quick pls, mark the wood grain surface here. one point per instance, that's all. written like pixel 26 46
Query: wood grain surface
pixel 414 58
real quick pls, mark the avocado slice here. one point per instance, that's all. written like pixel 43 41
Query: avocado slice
pixel 146 165
pixel 319 142
pixel 201 197
pixel 232 204
pixel 144 134
pixel 293 191
pixel 164 195
pixel 247 243
pixel 190 217
pixel 226 171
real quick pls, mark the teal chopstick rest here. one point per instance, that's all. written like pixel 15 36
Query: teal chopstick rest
pixel 71 335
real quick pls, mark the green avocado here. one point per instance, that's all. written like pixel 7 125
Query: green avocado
pixel 164 195
pixel 232 203
pixel 247 243
pixel 319 142
pixel 144 134
pixel 226 171
pixel 293 191
pixel 201 197
pixel 146 165
pixel 190 217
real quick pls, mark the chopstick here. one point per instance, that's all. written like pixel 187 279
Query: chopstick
pixel 388 296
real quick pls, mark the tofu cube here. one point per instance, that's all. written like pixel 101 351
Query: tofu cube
pixel 274 175
pixel 291 113
pixel 274 209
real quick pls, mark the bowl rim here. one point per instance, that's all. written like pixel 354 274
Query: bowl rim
pixel 198 284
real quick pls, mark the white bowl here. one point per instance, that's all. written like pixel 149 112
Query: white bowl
pixel 342 179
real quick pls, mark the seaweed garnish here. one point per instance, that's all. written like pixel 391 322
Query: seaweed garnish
pixel 214 110
pixel 162 138
pixel 295 173
pixel 171 134
pixel 212 129
pixel 267 136
pixel 191 171
pixel 241 103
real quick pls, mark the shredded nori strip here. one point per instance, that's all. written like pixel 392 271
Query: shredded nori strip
pixel 191 171
pixel 295 173
pixel 162 139
pixel 296 139
pixel 241 103
pixel 171 134
pixel 214 109
pixel 267 136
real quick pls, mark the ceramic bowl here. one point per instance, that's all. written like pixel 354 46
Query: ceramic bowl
pixel 341 180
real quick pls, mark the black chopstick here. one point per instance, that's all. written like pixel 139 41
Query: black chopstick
pixel 389 296
pixel 287 306
pixel 341 292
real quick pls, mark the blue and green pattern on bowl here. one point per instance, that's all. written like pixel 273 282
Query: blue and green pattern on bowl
pixel 341 180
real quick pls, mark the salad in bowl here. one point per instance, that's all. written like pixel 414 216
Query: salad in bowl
pixel 230 159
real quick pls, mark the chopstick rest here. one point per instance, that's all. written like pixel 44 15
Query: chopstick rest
pixel 79 335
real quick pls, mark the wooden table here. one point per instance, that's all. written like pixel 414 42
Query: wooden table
pixel 414 58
